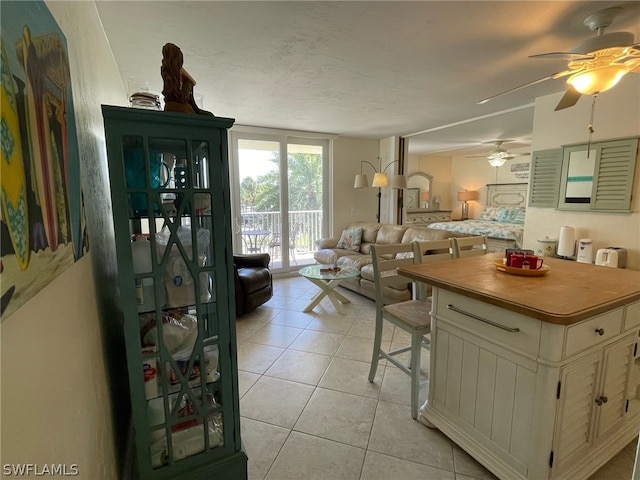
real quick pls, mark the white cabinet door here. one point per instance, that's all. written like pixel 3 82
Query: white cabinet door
pixel 593 401
pixel 613 395
pixel 578 389
pixel 486 391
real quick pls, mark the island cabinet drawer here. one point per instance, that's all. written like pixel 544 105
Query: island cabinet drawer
pixel 589 333
pixel 631 316
pixel 510 330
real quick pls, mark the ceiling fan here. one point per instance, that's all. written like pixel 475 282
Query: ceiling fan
pixel 498 156
pixel 594 65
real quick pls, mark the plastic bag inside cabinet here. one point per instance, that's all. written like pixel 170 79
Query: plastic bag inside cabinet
pixel 179 283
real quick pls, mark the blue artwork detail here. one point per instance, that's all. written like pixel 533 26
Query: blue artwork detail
pixel 584 178
pixel 16 216
pixel 6 141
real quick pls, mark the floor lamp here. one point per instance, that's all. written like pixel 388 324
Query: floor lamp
pixel 380 180
pixel 465 197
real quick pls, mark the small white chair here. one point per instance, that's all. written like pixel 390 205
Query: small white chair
pixel 412 316
pixel 478 246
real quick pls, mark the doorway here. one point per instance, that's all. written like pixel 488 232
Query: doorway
pixel 278 196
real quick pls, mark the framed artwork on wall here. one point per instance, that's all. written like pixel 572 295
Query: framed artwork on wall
pixel 42 223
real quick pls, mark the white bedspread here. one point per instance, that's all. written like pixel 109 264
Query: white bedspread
pixel 490 228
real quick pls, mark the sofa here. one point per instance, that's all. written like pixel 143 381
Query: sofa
pixel 328 253
pixel 253 281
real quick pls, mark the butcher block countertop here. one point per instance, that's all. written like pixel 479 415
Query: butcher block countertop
pixel 568 293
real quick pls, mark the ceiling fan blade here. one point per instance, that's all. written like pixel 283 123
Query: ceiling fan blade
pixel 509 156
pixel 535 82
pixel 629 54
pixel 564 56
pixel 569 99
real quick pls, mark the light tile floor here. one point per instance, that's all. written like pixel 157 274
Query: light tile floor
pixel 309 412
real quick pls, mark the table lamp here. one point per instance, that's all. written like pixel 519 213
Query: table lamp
pixel 465 197
pixel 424 196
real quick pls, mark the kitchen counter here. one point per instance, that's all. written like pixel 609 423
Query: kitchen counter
pixel 537 378
pixel 568 293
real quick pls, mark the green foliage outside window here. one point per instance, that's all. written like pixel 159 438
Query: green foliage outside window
pixel 305 185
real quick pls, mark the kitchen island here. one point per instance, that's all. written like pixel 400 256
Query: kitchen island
pixel 535 377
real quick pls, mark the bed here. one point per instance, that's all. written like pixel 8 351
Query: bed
pixel 502 220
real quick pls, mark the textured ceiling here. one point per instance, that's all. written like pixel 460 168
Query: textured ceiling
pixel 364 69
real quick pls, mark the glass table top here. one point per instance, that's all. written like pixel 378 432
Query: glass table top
pixel 314 271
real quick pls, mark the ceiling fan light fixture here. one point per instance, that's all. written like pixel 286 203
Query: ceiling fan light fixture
pixel 599 79
pixel 501 155
pixel 497 162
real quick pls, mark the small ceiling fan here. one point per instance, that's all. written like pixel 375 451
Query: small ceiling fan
pixel 594 65
pixel 498 156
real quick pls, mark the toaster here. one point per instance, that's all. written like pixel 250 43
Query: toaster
pixel 615 257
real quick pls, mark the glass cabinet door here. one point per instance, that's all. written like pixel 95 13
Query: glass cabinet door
pixel 172 225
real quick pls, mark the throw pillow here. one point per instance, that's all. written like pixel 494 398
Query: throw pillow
pixel 519 216
pixel 493 214
pixel 350 239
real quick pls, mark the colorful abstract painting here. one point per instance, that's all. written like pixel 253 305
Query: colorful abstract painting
pixel 41 219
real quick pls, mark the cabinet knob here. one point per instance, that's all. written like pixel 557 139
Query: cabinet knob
pixel 600 331
pixel 602 400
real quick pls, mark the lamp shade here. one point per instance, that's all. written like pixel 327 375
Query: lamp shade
pixel 399 181
pixel 380 180
pixel 467 195
pixel 424 196
pixel 598 79
pixel 361 181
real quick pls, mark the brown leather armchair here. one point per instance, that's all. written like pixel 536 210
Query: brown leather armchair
pixel 253 281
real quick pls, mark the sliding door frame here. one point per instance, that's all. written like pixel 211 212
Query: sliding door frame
pixel 284 138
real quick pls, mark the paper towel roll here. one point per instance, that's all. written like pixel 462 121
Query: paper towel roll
pixel 566 241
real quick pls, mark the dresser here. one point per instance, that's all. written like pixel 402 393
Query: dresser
pixel 423 216
pixel 535 377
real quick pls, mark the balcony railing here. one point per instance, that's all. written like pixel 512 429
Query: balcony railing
pixel 305 227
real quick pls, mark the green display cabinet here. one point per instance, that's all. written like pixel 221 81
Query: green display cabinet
pixel 169 178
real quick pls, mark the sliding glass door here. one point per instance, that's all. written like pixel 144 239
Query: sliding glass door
pixel 279 206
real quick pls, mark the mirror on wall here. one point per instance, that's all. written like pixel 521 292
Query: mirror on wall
pixel 418 192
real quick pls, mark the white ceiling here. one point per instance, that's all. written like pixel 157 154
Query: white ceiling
pixel 364 68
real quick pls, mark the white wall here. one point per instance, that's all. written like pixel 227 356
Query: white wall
pixel 350 204
pixel 55 397
pixel 454 174
pixel 439 167
pixel 475 174
pixel 617 115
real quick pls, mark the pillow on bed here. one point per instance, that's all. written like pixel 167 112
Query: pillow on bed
pixel 493 214
pixel 504 214
pixel 512 215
